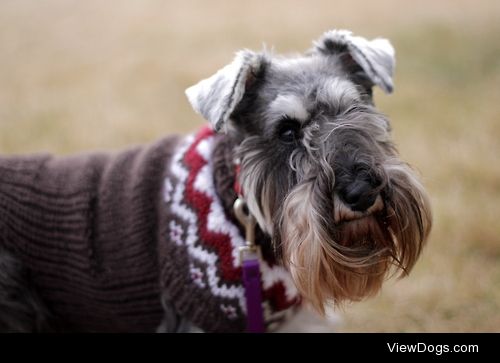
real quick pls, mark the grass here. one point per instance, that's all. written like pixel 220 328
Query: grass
pixel 80 75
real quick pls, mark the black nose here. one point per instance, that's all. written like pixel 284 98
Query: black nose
pixel 359 195
pixel 358 186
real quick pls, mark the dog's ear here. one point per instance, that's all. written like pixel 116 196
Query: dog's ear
pixel 215 98
pixel 369 61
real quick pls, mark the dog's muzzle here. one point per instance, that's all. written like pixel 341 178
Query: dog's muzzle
pixel 345 213
pixel 357 193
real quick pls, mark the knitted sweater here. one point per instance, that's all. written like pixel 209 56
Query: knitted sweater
pixel 104 235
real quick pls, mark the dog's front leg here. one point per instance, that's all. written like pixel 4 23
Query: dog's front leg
pixel 172 322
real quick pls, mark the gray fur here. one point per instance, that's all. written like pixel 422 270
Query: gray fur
pixel 21 308
pixel 339 204
pixel 172 322
pixel 375 57
pixel 217 96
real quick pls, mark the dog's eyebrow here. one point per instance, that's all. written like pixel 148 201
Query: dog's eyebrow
pixel 288 105
pixel 337 93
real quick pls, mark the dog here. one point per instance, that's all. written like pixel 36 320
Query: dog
pixel 148 239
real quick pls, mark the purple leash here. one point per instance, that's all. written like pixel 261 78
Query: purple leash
pixel 253 294
pixel 249 258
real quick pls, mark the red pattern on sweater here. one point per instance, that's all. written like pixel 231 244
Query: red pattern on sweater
pixel 221 243
pixel 201 204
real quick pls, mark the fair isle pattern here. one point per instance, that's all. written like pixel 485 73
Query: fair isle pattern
pixel 212 240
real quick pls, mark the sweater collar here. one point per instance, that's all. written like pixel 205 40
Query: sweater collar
pixel 212 240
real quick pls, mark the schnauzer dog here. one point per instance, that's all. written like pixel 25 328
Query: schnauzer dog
pixel 148 239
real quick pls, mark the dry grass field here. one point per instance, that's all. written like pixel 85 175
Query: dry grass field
pixel 96 74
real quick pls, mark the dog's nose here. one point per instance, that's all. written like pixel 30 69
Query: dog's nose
pixel 360 195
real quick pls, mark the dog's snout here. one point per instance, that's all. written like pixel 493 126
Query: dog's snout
pixel 361 191
pixel 359 195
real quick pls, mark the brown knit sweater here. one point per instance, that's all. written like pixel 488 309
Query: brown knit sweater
pixel 87 228
pixel 103 236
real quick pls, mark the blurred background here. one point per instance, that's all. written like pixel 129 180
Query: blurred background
pixel 79 75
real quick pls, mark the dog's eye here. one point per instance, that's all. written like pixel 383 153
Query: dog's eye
pixel 289 131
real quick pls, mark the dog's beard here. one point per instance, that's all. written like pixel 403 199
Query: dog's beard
pixel 335 256
pixel 264 183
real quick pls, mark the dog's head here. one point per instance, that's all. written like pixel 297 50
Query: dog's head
pixel 318 167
